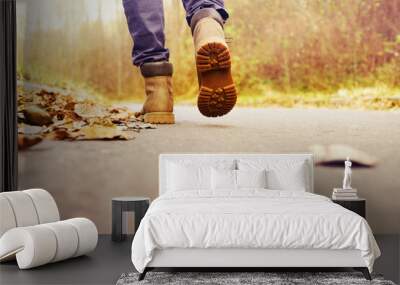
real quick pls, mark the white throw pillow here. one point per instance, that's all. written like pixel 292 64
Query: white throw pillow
pixel 251 178
pixel 188 177
pixel 289 179
pixel 284 174
pixel 223 179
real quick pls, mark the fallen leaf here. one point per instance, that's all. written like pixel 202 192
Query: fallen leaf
pixel 122 128
pixel 29 130
pixel 140 125
pixel 68 116
pixel 147 126
pixel 34 115
pixel 88 109
pixel 61 134
pixel 77 125
pixel 97 132
pixel 20 116
pixel 102 121
pixel 25 142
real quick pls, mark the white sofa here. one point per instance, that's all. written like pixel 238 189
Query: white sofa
pixel 31 230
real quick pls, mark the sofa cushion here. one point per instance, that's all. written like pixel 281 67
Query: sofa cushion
pixel 46 207
pixel 7 220
pixel 23 208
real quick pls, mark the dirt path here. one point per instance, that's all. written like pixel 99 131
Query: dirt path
pixel 84 176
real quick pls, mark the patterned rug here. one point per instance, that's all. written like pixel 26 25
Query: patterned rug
pixel 269 278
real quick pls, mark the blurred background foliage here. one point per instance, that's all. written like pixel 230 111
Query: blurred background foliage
pixel 325 53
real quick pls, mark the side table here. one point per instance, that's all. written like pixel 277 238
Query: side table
pixel 138 205
pixel 357 205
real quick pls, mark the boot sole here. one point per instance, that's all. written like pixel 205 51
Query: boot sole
pixel 159 118
pixel 217 94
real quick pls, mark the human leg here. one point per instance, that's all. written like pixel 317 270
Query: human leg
pixel 217 92
pixel 146 25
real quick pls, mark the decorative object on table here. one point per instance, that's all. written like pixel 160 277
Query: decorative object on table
pixel 32 233
pixel 347 174
pixel 357 206
pixel 120 205
pixel 248 278
pixel 347 192
pixel 344 194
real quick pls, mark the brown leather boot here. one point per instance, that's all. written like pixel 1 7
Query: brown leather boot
pixel 159 104
pixel 217 94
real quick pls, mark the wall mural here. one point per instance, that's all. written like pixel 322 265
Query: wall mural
pixel 311 76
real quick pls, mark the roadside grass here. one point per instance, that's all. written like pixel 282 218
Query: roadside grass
pixel 367 98
pixel 379 97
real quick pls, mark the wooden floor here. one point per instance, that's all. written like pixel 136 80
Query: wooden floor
pixel 110 260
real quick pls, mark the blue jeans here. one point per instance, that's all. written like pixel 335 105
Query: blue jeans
pixel 146 25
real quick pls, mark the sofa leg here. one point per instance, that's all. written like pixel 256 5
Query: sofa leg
pixel 143 274
pixel 364 271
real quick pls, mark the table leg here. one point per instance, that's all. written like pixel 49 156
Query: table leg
pixel 117 222
pixel 140 211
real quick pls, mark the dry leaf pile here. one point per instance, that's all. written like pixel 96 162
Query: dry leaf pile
pixel 61 116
